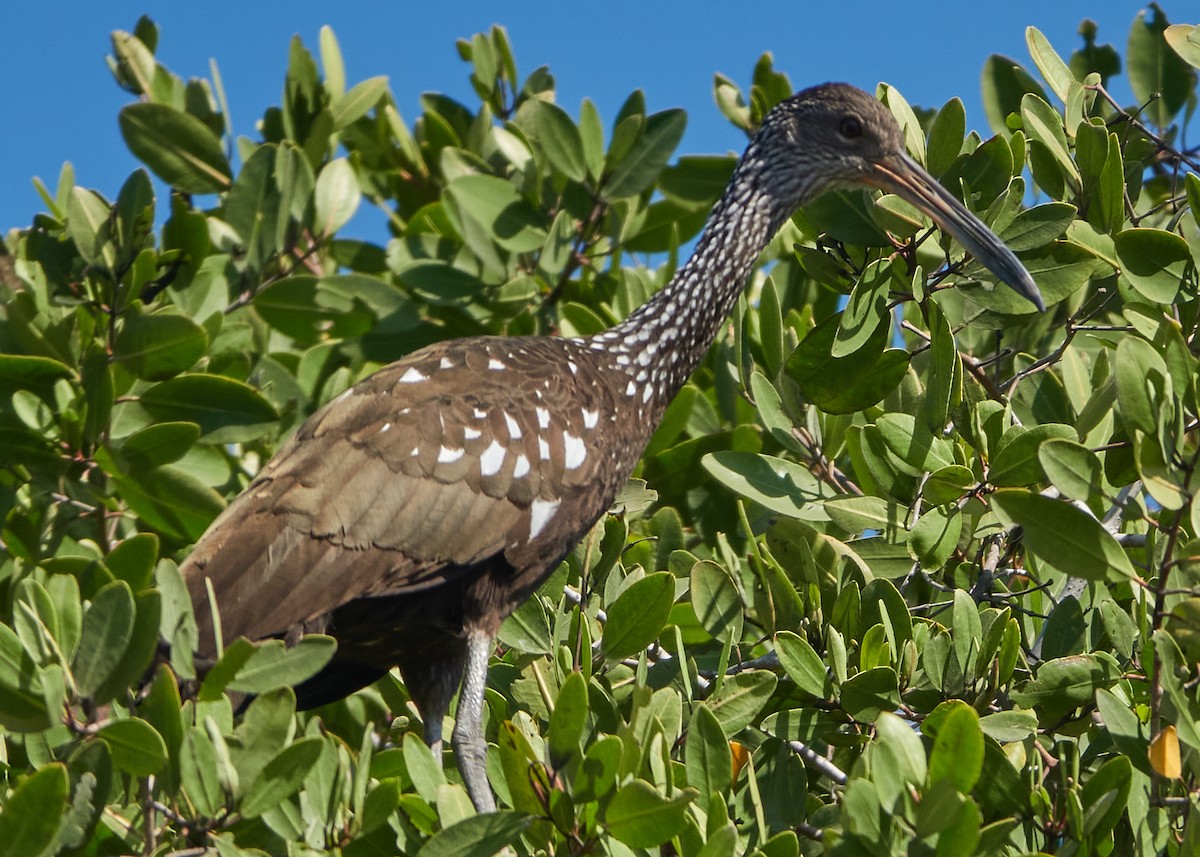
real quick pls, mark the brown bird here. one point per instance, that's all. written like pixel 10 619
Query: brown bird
pixel 413 513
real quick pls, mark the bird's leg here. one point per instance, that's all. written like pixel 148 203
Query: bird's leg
pixel 470 748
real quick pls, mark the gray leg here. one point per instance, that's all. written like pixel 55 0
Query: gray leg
pixel 469 746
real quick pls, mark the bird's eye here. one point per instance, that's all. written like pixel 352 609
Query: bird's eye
pixel 850 127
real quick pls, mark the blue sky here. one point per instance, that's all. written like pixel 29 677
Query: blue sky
pixel 60 102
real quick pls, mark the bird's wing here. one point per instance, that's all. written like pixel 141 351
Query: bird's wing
pixel 423 470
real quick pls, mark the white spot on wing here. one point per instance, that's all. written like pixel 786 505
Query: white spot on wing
pixel 576 452
pixel 543 416
pixel 540 513
pixel 413 376
pixel 514 430
pixel 446 363
pixel 544 449
pixel 492 459
pixel 631 389
pixel 493 363
pixel 383 428
pixel 649 391
pixel 571 365
pixel 521 467
pixel 470 433
pixel 480 414
pixel 448 455
pixel 590 418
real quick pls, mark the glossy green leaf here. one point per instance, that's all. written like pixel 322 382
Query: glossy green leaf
pixel 1054 71
pixel 802 664
pixel 957 754
pixel 281 777
pixel 477 836
pixel 707 757
pixel 638 615
pixel 716 600
pixel 569 717
pixel 1066 537
pixel 1159 77
pixel 135 746
pixel 867 694
pixel 559 137
pixel 336 197
pixel 179 148
pixel 107 628
pixel 741 698
pixel 1154 261
pixel 30 818
pixel 642 817
pixel 641 166
pixel 160 346
pixel 775 483
pixel 1071 467
pixel 226 410
pixel 273 664
pixel 1016 461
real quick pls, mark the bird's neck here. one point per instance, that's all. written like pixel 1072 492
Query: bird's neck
pixel 663 341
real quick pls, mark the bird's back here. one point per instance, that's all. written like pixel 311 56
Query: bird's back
pixel 434 494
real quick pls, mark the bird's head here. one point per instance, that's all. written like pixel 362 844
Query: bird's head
pixel 836 136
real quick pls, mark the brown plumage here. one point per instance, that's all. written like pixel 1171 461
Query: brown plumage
pixel 412 514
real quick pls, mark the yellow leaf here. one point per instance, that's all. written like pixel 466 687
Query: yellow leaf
pixel 1164 753
pixel 740 757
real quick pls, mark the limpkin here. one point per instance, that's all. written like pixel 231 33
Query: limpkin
pixel 410 515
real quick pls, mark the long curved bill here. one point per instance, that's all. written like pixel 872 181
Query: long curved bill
pixel 901 175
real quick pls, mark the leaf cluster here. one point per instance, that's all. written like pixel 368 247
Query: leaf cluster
pixel 904 570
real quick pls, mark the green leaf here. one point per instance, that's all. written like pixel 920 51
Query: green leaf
pixel 133 560
pixel 865 695
pixel 1071 467
pixel 281 777
pixel 499 208
pixel 641 166
pixel 29 822
pixel 741 698
pixel 716 600
pixel 1016 460
pixel 843 385
pixel 707 757
pixel 802 664
pixel 935 536
pixel 136 746
pixel 336 197
pixel 179 148
pixel 1185 41
pixel 1066 683
pixel 159 346
pixel 1004 82
pixel 29 372
pixel 158 444
pixel 478 835
pixel 226 410
pixel 568 719
pixel 1064 536
pixel 1159 77
pixel 349 108
pixel 89 226
pixel 900 758
pixel 107 628
pixel 198 772
pixel 1143 385
pixel 1054 71
pixel 1154 261
pixel 774 483
pixel 638 615
pixel 273 664
pixel 642 817
pixel 865 311
pixel 1105 796
pixel 946 136
pixel 1038 226
pixel 957 754
pixel 559 138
